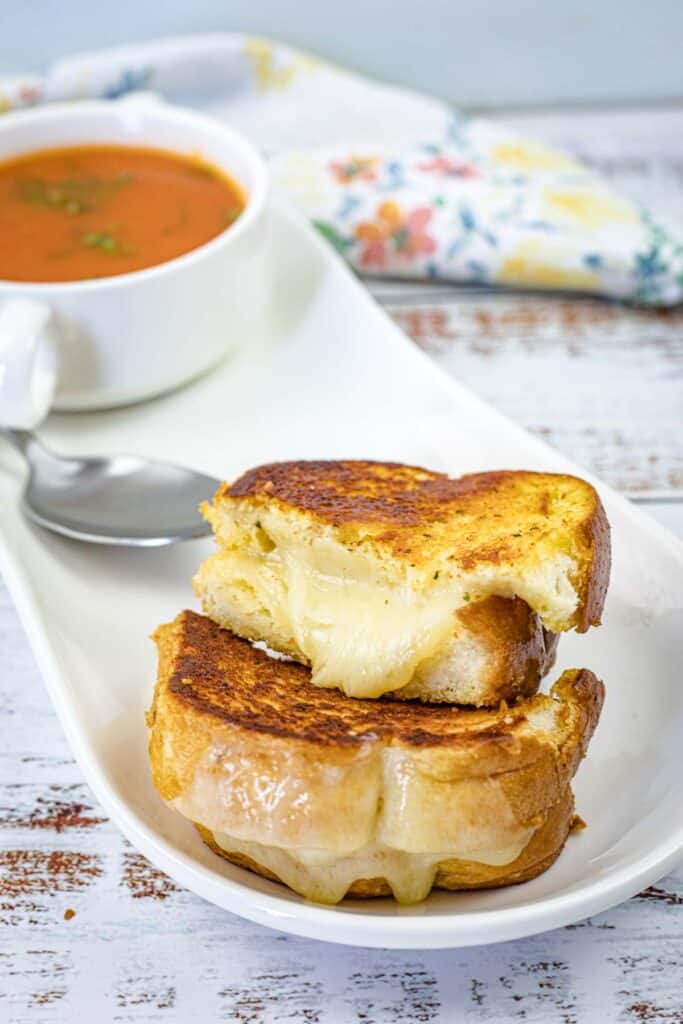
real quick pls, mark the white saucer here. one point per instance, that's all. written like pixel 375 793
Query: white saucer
pixel 330 376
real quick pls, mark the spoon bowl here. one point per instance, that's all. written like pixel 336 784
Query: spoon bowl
pixel 122 500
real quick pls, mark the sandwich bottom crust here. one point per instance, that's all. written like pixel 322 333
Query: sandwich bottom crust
pixel 540 852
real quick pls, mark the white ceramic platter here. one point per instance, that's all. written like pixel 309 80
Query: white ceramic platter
pixel 329 376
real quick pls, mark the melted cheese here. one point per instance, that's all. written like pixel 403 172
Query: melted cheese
pixel 332 608
pixel 326 877
pixel 356 633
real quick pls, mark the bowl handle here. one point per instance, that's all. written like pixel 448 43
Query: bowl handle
pixel 28 363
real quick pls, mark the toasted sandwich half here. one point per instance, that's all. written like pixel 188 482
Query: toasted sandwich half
pixel 388 578
pixel 335 796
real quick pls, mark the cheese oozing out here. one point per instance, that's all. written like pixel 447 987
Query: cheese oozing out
pixel 333 608
pixel 360 636
pixel 326 876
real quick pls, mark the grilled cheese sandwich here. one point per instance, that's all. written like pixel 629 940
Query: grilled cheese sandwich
pixel 365 572
pixel 337 796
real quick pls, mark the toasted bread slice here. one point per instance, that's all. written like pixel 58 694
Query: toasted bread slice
pixel 498 651
pixel 363 570
pixel 327 792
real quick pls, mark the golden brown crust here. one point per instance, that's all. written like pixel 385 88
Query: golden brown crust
pixel 596 532
pixel 509 626
pixel 215 673
pixel 519 653
pixel 245 745
pixel 541 851
pixel 347 491
pixel 240 859
pixel 471 523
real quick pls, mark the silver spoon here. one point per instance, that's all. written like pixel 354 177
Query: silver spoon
pixel 122 499
pixel 118 500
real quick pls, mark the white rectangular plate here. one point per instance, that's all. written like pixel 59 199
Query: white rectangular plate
pixel 329 376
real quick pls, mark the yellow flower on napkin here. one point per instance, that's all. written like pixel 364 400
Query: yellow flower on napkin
pixel 588 209
pixel 533 157
pixel 264 59
pixel 533 264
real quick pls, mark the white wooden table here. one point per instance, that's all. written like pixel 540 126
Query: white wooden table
pixel 90 931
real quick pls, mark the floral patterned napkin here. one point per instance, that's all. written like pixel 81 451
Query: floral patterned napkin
pixel 399 183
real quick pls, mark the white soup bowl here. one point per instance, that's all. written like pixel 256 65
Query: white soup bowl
pixel 128 337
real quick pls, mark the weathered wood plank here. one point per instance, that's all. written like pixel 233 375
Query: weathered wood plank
pixel 602 383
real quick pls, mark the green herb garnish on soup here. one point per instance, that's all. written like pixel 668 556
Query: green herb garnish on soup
pixel 94 211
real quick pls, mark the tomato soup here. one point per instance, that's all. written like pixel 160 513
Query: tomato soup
pixel 96 211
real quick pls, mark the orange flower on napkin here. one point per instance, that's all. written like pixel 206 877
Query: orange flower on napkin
pixel 394 233
pixel 356 168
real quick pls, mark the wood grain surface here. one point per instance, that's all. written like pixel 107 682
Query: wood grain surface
pixel 603 383
pixel 90 931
